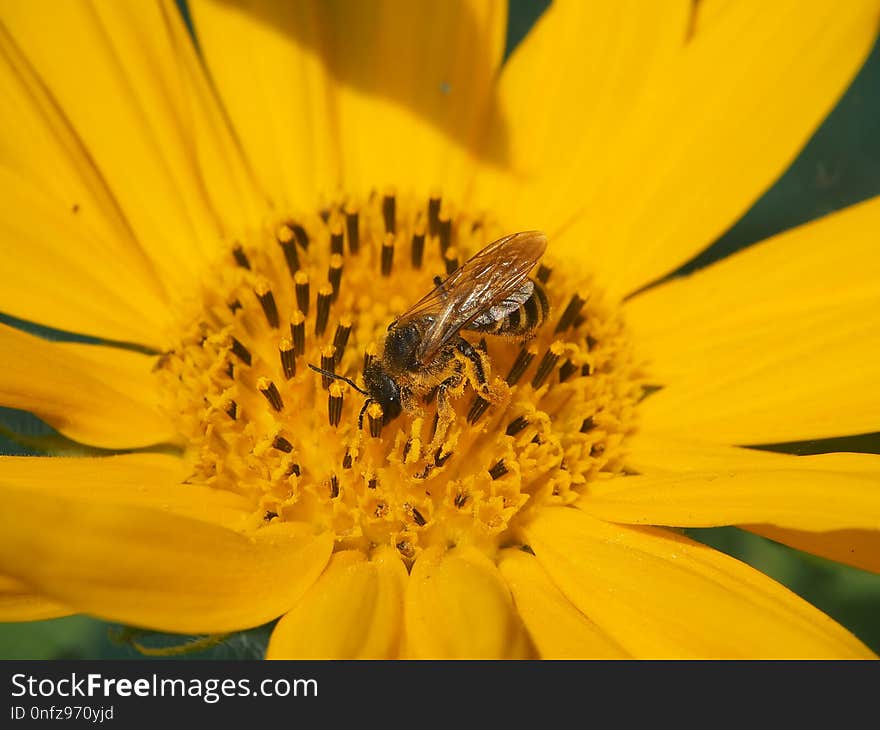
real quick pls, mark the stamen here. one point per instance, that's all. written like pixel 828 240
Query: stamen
pixel 282 444
pixel 418 518
pixel 353 230
pixel 405 548
pixel 434 214
pixel 586 371
pixel 325 296
pixel 231 409
pixel 267 302
pixel 328 360
pixel 387 254
pixel 450 259
pixel 548 362
pixel 241 352
pixel 347 460
pixel 340 339
pixel 460 500
pixel 418 245
pixel 440 458
pixel 498 471
pixel 389 212
pixel 375 419
pixel 287 240
pixel 587 425
pixel 334 404
pixel 334 275
pixel 567 369
pixel 520 365
pixel 294 470
pixel 288 357
pixel 298 332
pixel 337 239
pixel 571 311
pixel 301 284
pixel 241 257
pixel 302 236
pixel 270 392
pixel 477 409
pixel 334 486
pixel 444 230
pixel 516 425
pixel 543 273
pixel 234 305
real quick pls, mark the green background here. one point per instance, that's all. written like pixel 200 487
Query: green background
pixel 840 166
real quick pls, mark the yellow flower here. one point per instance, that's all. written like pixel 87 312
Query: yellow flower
pixel 275 198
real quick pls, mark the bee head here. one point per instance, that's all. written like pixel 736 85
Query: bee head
pixel 384 390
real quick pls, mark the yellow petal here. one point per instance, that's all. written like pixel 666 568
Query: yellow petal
pixel 17 603
pixel 818 493
pixel 328 94
pixel 859 548
pixel 569 85
pixel 557 628
pixel 354 611
pixel 708 136
pixel 779 342
pixel 458 607
pixel 137 480
pixel 148 568
pixel 97 395
pixel 111 68
pixel 660 595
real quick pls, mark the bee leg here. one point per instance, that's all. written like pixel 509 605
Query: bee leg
pixel 476 359
pixel 445 411
pixel 367 403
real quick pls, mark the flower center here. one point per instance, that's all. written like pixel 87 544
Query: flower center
pixel 460 463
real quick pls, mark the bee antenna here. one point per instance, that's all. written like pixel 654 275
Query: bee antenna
pixel 336 376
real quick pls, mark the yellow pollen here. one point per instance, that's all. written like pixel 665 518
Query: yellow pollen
pixel 298 441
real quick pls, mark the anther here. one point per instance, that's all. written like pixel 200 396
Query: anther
pixel 372 483
pixel 334 274
pixel 543 273
pixel 334 486
pixel 346 460
pixel 302 237
pixel 548 362
pixel 293 470
pixel 287 240
pixel 267 302
pixel 387 254
pixel 389 212
pixel 586 370
pixel 270 393
pixel 328 361
pixel 301 284
pixel 230 369
pixel 566 370
pixel 352 229
pixel 241 257
pixel 368 359
pixel 282 444
pixel 587 425
pixel 270 515
pixel 405 548
pixel 231 409
pixel 334 404
pixel 460 500
pixel 241 352
pixel 417 518
pixel 376 419
pixel 337 239
pixel 434 214
pixel 406 449
pixel 325 296
pixel 298 332
pixel 234 305
pixel 418 246
pixel 340 338
pixel 444 230
pixel 571 311
pixel 477 409
pixel 516 425
pixel 440 458
pixel 450 259
pixel 498 471
pixel 288 357
pixel 522 362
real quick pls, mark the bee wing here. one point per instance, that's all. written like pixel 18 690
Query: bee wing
pixel 488 278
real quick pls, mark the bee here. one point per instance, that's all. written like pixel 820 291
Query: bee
pixel 491 293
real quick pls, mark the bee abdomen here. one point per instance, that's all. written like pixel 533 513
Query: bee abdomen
pixel 523 320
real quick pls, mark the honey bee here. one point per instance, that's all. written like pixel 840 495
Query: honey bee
pixel 491 293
